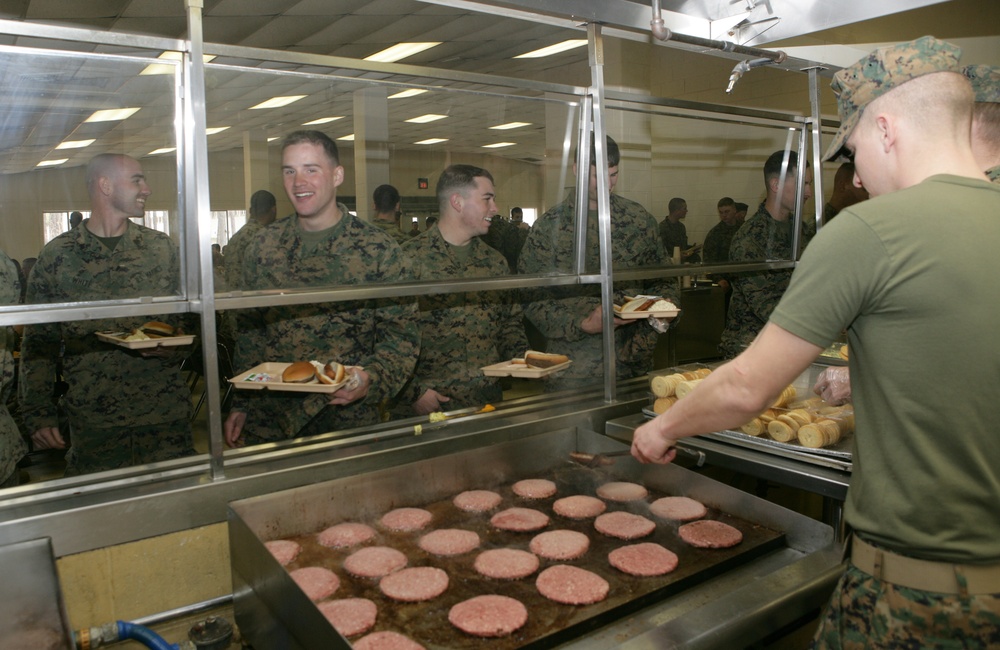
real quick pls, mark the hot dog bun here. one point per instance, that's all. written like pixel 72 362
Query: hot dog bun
pixel 300 372
pixel 332 373
pixel 543 359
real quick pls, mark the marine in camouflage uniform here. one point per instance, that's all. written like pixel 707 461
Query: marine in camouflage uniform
pixel 558 311
pixel 12 445
pixel 985 82
pixel 123 408
pixel 755 295
pixel 461 332
pixel 263 210
pixel 379 335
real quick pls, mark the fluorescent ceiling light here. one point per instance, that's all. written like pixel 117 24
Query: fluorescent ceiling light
pixel 571 44
pixel 74 144
pixel 424 119
pixel 400 51
pixel 51 163
pixel 157 152
pixel 112 115
pixel 323 120
pixel 347 138
pixel 163 68
pixel 273 138
pixel 278 102
pixel 510 125
pixel 407 93
pixel 497 145
pixel 432 141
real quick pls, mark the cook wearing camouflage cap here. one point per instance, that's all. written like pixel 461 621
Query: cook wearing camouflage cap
pixel 881 71
pixel 908 270
pixel 986 118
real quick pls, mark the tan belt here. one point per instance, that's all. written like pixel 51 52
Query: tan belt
pixel 939 577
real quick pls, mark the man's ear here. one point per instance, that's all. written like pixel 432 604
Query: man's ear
pixel 456 201
pixel 887 129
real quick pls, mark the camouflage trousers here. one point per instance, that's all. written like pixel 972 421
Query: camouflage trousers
pixel 867 613
pixel 97 450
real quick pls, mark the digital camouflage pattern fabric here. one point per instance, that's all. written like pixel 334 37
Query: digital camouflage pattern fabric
pixel 236 248
pixel 392 229
pixel 885 68
pixel 379 335
pixel 756 294
pixel 870 614
pixel 717 242
pixel 985 80
pixel 12 445
pixel 109 387
pixel 461 332
pixel 558 311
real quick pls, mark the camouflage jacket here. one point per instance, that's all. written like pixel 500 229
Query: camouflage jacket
pixel 994 174
pixel 756 294
pixel 109 386
pixel 558 311
pixel 12 446
pixel 235 250
pixel 462 332
pixel 717 242
pixel 392 229
pixel 379 335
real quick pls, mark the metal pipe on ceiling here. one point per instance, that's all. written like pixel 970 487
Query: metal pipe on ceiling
pixel 661 32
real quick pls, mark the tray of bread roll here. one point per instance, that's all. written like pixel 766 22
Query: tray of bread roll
pixel 646 306
pixel 802 428
pixel 299 376
pixel 152 334
pixel 534 365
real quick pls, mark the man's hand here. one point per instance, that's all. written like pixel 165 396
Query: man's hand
pixel 233 428
pixel 594 323
pixel 650 446
pixel 834 385
pixel 48 438
pixel 430 402
pixel 356 387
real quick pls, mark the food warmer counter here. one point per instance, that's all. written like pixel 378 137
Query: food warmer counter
pixel 784 569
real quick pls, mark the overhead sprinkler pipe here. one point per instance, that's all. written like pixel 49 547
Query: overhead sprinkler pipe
pixel 661 32
pixel 745 66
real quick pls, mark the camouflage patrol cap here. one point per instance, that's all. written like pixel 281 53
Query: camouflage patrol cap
pixel 884 69
pixel 985 82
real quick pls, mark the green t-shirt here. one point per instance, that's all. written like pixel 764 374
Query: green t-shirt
pixel 912 275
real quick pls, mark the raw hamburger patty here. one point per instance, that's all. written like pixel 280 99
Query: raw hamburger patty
pixel 622 491
pixel 624 525
pixel 579 506
pixel 283 550
pixel 489 616
pixel 678 508
pixel 386 641
pixel 449 541
pixel 316 582
pixel 646 559
pixel 345 535
pixel 406 519
pixel 374 562
pixel 709 533
pixel 534 488
pixel 560 544
pixel 506 563
pixel 350 616
pixel 520 520
pixel 571 585
pixel 414 584
pixel 477 501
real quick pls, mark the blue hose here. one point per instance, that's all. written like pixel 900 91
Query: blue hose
pixel 144 635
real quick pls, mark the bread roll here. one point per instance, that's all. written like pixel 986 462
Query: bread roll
pixel 300 372
pixel 155 328
pixel 544 359
pixel 663 403
pixel 686 387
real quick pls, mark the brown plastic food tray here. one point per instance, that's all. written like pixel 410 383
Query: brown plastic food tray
pixel 118 338
pixel 273 369
pixel 514 369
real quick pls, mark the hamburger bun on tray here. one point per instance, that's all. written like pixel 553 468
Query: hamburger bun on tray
pixel 156 328
pixel 300 372
pixel 643 306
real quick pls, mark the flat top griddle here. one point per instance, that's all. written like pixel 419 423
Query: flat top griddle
pixel 548 622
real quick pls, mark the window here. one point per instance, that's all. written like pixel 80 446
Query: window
pixel 225 223
pixel 529 215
